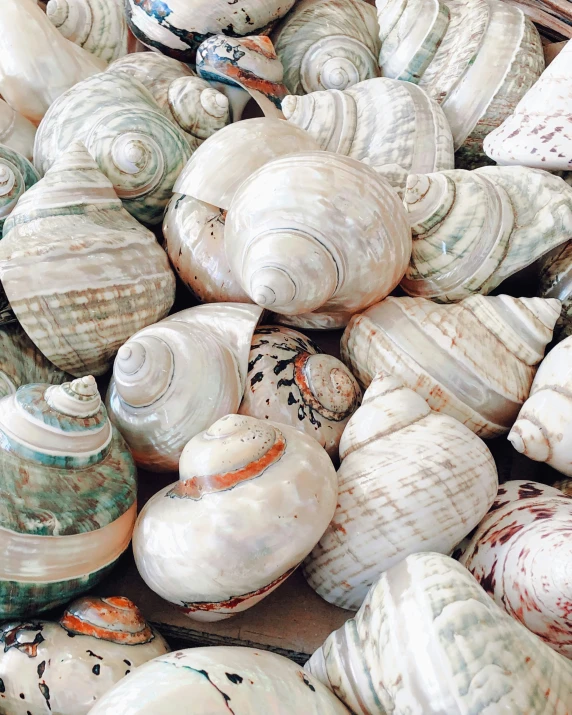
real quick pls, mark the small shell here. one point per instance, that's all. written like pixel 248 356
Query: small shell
pixel 115 619
pixel 17 175
pixel 16 131
pixel 555 281
pixel 270 491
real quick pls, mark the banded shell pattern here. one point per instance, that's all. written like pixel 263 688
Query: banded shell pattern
pixel 555 281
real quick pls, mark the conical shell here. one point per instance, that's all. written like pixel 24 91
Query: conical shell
pixel 473 229
pixel 291 381
pixel 17 175
pixel 16 131
pixel 80 273
pixel 325 45
pixel 271 492
pixel 411 480
pixel 474 360
pixel 521 554
pixel 539 131
pixel 317 232
pixel 428 639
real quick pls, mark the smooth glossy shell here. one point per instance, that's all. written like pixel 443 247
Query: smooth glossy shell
pixel 16 131
pixel 17 175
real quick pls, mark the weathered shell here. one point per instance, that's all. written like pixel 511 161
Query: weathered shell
pixel 521 554
pixel 99 26
pixel 16 131
pixel 327 45
pixel 37 64
pixel 174 379
pixel 291 381
pixel 268 490
pixel 67 495
pixel 381 122
pixel 81 274
pixel 65 667
pixel 565 486
pixel 317 232
pixel 428 639
pixel 177 27
pixel 555 281
pixel 220 680
pixel 539 131
pixel 134 143
pixel 473 360
pixel 17 175
pixel 473 229
pixel 411 480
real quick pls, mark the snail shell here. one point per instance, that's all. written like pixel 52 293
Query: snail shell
pixel 67 495
pixel 555 281
pixel 17 175
pixel 474 360
pixel 474 229
pixel 324 45
pixel 291 381
pixel 16 131
pixel 428 639
pixel 521 553
pixel 411 480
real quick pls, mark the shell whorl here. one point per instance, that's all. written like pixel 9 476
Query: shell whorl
pixel 115 619
pixel 73 18
pixel 79 398
pixel 199 109
pixel 143 370
pixel 137 165
pixel 17 175
pixel 337 62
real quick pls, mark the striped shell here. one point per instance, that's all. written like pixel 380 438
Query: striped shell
pixel 16 131
pixel 17 175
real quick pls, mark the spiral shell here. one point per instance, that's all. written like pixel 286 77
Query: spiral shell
pixel 17 175
pixel 67 495
pixel 335 241
pixel 428 639
pixel 16 131
pixel 174 379
pixel 474 229
pixel 270 490
pixel 325 45
pixel 115 619
pixel 474 360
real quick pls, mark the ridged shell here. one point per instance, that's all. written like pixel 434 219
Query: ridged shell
pixel 17 175
pixel 317 232
pixel 174 379
pixel 411 480
pixel 99 26
pixel 135 145
pixel 268 490
pixel 474 360
pixel 473 229
pixel 80 273
pixel 521 554
pixel 429 640
pixel 539 131
pixel 555 281
pixel 380 122
pixel 327 45
pixel 291 381
pixel 67 495
pixel 16 131
pixel 31 79
pixel 219 680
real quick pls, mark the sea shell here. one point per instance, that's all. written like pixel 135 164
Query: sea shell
pixel 539 131
pixel 543 429
pixel 17 175
pixel 428 639
pixel 81 274
pixel 317 232
pixel 45 670
pixel 477 58
pixel 565 486
pixel 134 143
pixel 174 379
pixel 220 680
pixel 327 45
pixel 474 360
pixel 411 480
pixel 521 554
pixel 31 79
pixel 473 229
pixel 67 495
pixel 555 281
pixel 99 26
pixel 379 121
pixel 291 381
pixel 16 131
pixel 253 498
pixel 177 27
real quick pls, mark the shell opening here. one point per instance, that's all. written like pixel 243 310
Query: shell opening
pixel 143 370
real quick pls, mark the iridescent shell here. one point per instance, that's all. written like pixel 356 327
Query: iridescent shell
pixel 17 175
pixel 67 495
pixel 16 131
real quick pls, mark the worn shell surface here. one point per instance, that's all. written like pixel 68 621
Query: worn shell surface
pixel 17 175
pixel 16 131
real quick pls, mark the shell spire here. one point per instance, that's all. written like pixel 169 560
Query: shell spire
pixel 17 175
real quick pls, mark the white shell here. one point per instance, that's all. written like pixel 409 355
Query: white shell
pixel 37 64
pixel 429 641
pixel 411 480
pixel 16 131
pixel 473 229
pixel 539 131
pixel 473 360
pixel 253 498
pixel 521 554
pixel 219 681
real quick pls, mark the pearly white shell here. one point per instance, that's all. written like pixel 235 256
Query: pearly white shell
pixel 16 131
pixel 17 175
